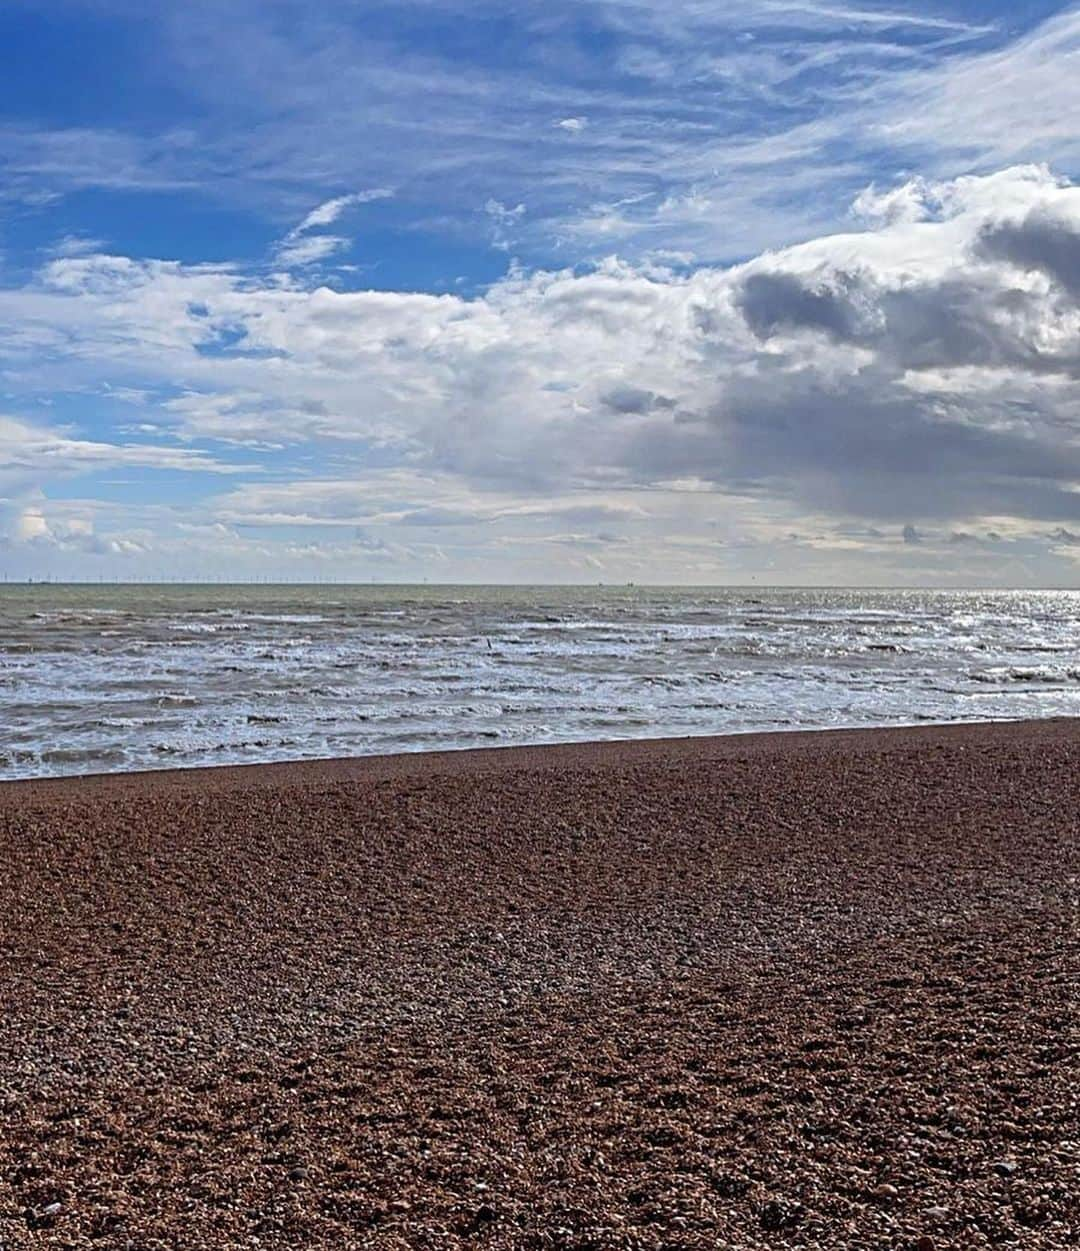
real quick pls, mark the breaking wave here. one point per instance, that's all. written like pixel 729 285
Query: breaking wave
pixel 99 678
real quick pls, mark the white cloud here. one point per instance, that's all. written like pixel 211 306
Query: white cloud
pixel 921 372
pixel 78 245
pixel 56 529
pixel 673 100
pixel 431 500
pixel 1015 102
pixel 31 453
pixel 504 221
pixel 31 526
pixel 329 211
pixel 905 203
pixel 299 247
pixel 294 253
pixel 804 11
pixel 41 163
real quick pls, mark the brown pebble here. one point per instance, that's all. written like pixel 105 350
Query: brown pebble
pixel 454 985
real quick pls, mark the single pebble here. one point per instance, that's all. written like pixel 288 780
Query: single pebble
pixel 885 1191
pixel 298 1174
pixel 936 1214
pixel 1004 1168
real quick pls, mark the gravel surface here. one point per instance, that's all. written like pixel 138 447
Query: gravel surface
pixel 783 990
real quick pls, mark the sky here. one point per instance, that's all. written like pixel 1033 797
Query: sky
pixel 676 291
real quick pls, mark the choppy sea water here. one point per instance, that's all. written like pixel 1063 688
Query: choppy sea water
pixel 105 678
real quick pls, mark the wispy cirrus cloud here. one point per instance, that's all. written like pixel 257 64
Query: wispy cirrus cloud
pixel 725 128
pixel 32 454
pixel 304 250
pixel 301 247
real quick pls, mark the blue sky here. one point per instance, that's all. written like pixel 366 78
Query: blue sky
pixel 616 289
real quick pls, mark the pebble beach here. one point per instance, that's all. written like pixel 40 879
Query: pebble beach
pixel 807 990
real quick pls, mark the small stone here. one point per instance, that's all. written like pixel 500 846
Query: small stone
pixel 1004 1168
pixel 925 1243
pixel 936 1214
pixel 885 1191
pixel 45 1218
pixel 777 1215
pixel 298 1174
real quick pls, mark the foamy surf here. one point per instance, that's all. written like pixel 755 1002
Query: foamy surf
pixel 99 678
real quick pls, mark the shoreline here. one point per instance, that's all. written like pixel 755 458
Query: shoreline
pixel 597 752
pixel 798 989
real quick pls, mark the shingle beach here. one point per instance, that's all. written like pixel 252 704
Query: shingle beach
pixel 812 990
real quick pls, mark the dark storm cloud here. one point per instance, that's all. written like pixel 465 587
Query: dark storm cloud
pixel 872 449
pixel 867 447
pixel 850 409
pixel 960 321
pixel 956 320
pixel 630 400
pixel 1040 242
pixel 775 302
pixel 924 381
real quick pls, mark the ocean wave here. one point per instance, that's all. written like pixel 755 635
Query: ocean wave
pixel 1003 674
pixel 209 627
pixel 93 756
pixel 134 678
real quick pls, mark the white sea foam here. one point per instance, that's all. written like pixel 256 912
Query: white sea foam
pixel 104 678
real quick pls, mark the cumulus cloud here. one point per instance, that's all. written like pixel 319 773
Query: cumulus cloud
pixel 905 203
pixel 30 526
pixel 1041 242
pixel 49 528
pixel 922 371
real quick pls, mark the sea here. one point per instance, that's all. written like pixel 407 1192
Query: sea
pixel 103 678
